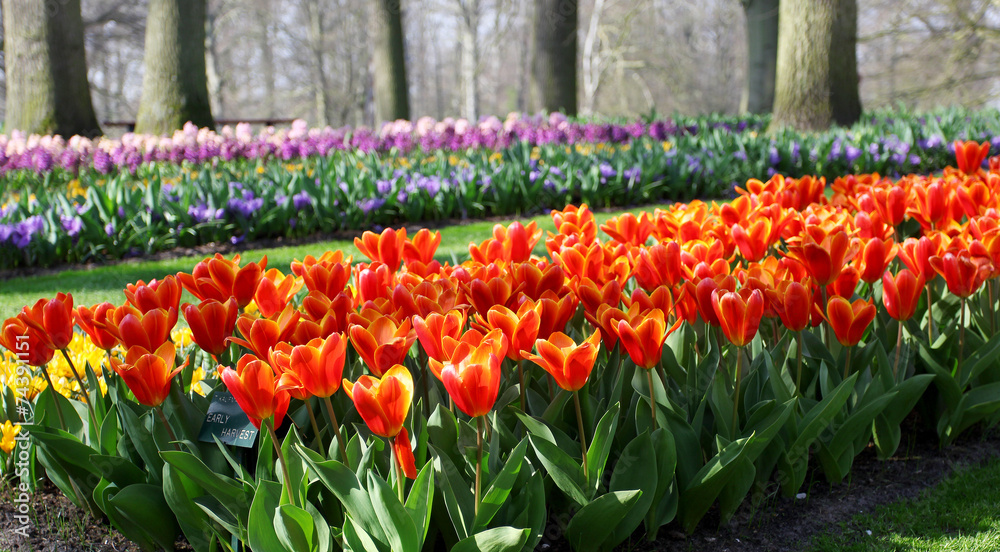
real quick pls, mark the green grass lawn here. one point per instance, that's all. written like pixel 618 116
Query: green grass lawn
pixel 961 514
pixel 106 283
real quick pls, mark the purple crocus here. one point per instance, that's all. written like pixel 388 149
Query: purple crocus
pixel 71 225
pixel 370 204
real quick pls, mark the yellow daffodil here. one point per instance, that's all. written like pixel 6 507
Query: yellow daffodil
pixel 7 442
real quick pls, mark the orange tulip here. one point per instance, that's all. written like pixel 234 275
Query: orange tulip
pixel 220 278
pixel 53 319
pixel 970 155
pixel 260 335
pixel 386 248
pixel 753 240
pixel 642 334
pixel 849 320
pixel 331 311
pixel 824 259
pixel 520 328
pixel 422 247
pixel 432 330
pixel 274 292
pixel 485 294
pixel 963 273
pixel 211 322
pixel 452 348
pixel 383 403
pixel 317 367
pixel 916 255
pixel 554 313
pixel 162 294
pixel 472 378
pixel 257 389
pixel 568 363
pixel 148 374
pixel 27 343
pixel 629 229
pixel 901 293
pixel 875 258
pixel 380 341
pixel 845 284
pixel 92 320
pixel 739 314
pixel 793 303
pixel 593 296
pixel 328 275
pixel 512 243
pixel 535 281
pixel 657 265
pixel 148 330
pixel 374 281
pixel 703 294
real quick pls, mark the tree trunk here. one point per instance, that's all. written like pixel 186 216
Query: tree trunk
pixel 845 98
pixel 554 68
pixel 802 90
pixel 267 56
pixel 174 85
pixel 215 88
pixel 388 59
pixel 317 40
pixel 470 59
pixel 46 70
pixel 762 55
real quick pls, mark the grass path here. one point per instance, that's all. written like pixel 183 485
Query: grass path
pixel 961 514
pixel 105 283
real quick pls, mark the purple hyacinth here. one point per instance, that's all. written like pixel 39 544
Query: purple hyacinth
pixel 302 200
pixel 370 204
pixel 71 225
pixel 203 213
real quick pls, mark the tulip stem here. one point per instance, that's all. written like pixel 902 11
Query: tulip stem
pixel 847 363
pixel 336 430
pixel 422 359
pixel 166 425
pixel 930 317
pixel 899 351
pixel 652 396
pixel 961 342
pixel 399 473
pixel 798 371
pixel 83 390
pixel 826 334
pixel 583 435
pixel 281 460
pixel 993 318
pixel 52 388
pixel 317 443
pixel 479 459
pixel 736 394
pixel 520 375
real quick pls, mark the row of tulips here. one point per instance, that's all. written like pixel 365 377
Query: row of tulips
pixel 192 196
pixel 710 353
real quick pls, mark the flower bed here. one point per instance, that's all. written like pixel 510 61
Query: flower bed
pixel 139 195
pixel 696 356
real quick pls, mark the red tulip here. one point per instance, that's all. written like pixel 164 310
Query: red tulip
pixel 27 343
pixel 963 273
pixel 472 379
pixel 92 321
pixel 849 320
pixel 260 335
pixel 133 328
pixel 970 155
pixel 328 275
pixel 53 319
pixel 793 303
pixel 520 328
pixel 824 259
pixel 403 452
pixel 875 257
pixel 739 314
pixel 901 293
pixel 211 323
